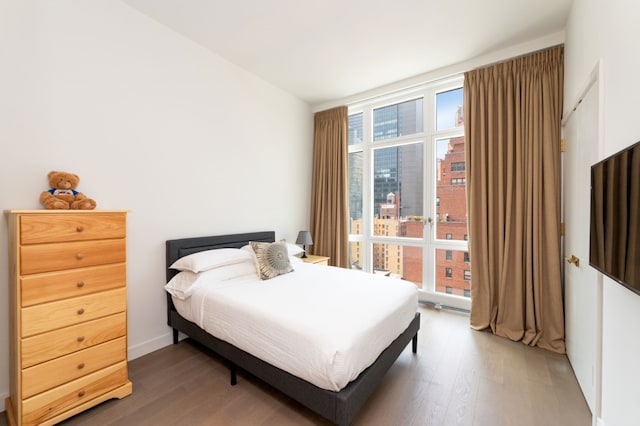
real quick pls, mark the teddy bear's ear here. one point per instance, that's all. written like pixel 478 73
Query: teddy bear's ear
pixel 51 173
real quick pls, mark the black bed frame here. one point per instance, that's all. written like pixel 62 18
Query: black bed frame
pixel 338 407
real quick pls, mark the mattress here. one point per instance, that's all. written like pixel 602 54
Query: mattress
pixel 320 323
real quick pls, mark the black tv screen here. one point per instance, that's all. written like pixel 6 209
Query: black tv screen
pixel 614 247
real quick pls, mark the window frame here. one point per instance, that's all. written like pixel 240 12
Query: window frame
pixel 367 146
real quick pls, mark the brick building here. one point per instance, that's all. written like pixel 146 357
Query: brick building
pixel 453 271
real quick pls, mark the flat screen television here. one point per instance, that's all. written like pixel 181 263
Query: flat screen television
pixel 614 247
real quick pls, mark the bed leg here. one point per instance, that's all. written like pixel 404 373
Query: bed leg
pixel 175 336
pixel 414 344
pixel 234 379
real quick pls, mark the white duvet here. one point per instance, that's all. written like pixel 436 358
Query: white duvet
pixel 322 324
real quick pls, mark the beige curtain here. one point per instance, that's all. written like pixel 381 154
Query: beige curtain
pixel 329 198
pixel 512 128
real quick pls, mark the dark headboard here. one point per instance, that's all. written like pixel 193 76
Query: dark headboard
pixel 185 246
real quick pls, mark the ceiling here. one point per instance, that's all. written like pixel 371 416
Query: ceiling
pixel 330 49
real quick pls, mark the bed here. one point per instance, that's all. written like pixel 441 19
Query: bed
pixel 338 406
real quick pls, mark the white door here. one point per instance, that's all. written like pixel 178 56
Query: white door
pixel 581 281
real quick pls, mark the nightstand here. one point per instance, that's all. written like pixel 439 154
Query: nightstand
pixel 318 260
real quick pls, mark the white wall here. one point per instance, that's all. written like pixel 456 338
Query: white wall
pixel 151 122
pixel 608 31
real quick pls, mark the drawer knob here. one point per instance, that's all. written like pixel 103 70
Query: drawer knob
pixel 80 284
pixel 80 311
pixel 81 366
pixel 80 339
pixel 79 256
pixel 81 394
pixel 79 228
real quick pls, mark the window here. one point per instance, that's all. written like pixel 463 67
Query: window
pixel 397 120
pixel 407 183
pixel 459 166
pixel 355 192
pixel 466 256
pixel 398 187
pixel 355 129
pixel 449 290
pixel 467 292
pixel 449 109
pixel 467 275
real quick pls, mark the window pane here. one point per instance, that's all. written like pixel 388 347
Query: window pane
pixel 452 271
pixel 449 112
pixel 355 192
pixel 397 120
pixel 355 129
pixel 398 191
pixel 355 255
pixel 451 207
pixel 459 166
pixel 398 261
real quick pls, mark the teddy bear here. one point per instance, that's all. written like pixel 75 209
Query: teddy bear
pixel 63 194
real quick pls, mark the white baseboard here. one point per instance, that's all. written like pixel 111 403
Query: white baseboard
pixel 149 346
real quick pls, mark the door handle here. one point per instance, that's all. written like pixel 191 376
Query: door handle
pixel 574 260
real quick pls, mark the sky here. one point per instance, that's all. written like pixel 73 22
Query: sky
pixel 447 104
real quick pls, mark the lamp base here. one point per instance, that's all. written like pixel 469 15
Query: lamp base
pixel 304 253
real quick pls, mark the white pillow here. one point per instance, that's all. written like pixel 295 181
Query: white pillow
pixel 294 249
pixel 229 272
pixel 248 249
pixel 183 284
pixel 210 259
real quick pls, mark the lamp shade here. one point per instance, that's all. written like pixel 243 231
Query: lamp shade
pixel 304 238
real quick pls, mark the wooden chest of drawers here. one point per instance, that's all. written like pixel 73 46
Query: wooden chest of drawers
pixel 68 313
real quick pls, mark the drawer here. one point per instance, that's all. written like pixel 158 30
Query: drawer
pixel 56 401
pixel 52 286
pixel 49 228
pixel 57 257
pixel 48 375
pixel 45 347
pixel 54 315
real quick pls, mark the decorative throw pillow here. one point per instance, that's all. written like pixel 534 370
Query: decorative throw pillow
pixel 272 259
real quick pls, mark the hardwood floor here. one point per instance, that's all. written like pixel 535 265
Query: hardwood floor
pixel 458 377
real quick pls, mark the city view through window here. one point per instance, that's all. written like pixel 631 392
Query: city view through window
pixel 411 216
